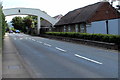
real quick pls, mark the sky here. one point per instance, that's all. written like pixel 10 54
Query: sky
pixel 52 7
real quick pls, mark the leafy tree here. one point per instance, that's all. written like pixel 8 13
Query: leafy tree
pixel 3 23
pixel 17 22
pixel 34 18
pixel 0 30
pixel 0 23
pixel 27 24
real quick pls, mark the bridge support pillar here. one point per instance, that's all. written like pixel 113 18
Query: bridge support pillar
pixel 39 25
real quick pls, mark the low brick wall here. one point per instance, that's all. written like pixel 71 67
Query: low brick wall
pixel 112 46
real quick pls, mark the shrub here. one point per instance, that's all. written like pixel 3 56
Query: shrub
pixel 96 37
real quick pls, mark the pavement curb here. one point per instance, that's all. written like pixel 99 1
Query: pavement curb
pixel 27 68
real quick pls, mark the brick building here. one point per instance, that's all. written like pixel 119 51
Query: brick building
pixel 100 17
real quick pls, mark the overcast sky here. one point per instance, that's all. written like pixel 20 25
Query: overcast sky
pixel 52 7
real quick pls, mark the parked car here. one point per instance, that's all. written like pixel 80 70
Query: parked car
pixel 10 31
pixel 17 31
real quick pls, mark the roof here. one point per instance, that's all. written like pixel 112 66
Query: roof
pixel 45 23
pixel 80 15
pixel 58 16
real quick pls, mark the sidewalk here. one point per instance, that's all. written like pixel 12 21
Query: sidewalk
pixel 0 63
pixel 12 65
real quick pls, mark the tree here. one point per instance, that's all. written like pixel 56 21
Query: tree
pixel 17 22
pixel 27 24
pixel 3 23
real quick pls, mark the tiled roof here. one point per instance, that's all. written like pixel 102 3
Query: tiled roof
pixel 45 23
pixel 80 15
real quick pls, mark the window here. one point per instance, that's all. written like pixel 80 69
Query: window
pixel 50 29
pixel 88 25
pixel 76 27
pixel 69 29
pixel 82 28
pixel 64 28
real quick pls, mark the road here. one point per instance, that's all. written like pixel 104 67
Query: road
pixel 57 59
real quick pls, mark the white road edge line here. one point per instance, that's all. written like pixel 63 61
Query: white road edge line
pixel 47 44
pixel 60 49
pixel 88 59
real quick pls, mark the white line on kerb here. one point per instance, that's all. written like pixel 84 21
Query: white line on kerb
pixel 60 49
pixel 47 44
pixel 88 59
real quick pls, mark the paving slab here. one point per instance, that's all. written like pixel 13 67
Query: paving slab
pixel 12 66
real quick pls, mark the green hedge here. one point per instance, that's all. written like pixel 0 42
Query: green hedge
pixel 96 37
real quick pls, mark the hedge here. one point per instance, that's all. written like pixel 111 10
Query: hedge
pixel 96 37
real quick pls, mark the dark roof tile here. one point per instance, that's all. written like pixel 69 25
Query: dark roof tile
pixel 79 15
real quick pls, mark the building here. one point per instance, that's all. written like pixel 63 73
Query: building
pixel 47 26
pixel 100 17
pixel 58 17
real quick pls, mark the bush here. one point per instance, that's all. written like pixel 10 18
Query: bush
pixel 96 37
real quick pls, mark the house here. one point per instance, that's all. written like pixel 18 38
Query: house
pixel 58 17
pixel 100 17
pixel 47 26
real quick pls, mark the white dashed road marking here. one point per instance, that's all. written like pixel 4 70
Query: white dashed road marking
pixel 40 42
pixel 60 49
pixel 47 44
pixel 33 39
pixel 88 59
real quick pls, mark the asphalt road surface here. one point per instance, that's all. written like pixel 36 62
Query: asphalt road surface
pixel 57 59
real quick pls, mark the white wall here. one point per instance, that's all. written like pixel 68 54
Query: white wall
pixel 100 27
pixel 113 26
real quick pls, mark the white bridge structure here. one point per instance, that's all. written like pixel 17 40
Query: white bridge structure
pixel 30 11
